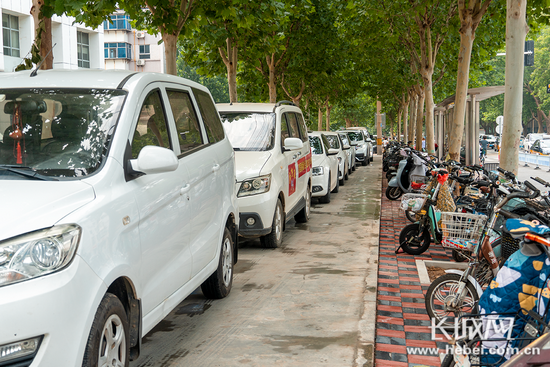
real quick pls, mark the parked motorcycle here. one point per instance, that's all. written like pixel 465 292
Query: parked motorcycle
pixel 412 168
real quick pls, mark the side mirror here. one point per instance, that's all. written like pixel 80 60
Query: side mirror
pixel 293 144
pixel 346 147
pixel 333 151
pixel 153 159
pixel 369 140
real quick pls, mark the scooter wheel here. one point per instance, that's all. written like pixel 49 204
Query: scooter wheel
pixel 411 216
pixel 411 243
pixel 393 193
pixel 389 175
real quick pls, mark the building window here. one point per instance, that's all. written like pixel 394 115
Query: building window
pixel 118 22
pixel 118 51
pixel 144 52
pixel 83 49
pixel 10 32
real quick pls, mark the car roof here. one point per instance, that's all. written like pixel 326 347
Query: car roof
pixel 315 133
pixel 88 79
pixel 253 107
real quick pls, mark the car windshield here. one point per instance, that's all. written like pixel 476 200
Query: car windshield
pixel 545 143
pixel 56 133
pixel 344 138
pixel 333 141
pixel 250 131
pixel 355 137
pixel 316 145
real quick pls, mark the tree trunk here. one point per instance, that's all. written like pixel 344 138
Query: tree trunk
pixel 467 36
pixel 348 122
pixel 406 119
pixel 430 136
pixel 170 52
pixel 320 120
pixel 516 30
pixel 419 119
pixel 412 120
pixel 399 116
pixel 42 34
pixel 272 86
pixel 229 57
pixel 328 108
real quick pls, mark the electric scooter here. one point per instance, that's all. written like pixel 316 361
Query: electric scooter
pixel 402 182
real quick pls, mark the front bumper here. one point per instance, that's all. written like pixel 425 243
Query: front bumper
pixel 59 306
pixel 319 186
pixel 359 157
pixel 261 207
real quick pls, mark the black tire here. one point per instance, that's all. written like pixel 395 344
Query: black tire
pixel 385 167
pixel 337 188
pixel 346 174
pixel 326 199
pixel 408 239
pixel 389 175
pixel 218 285
pixel 274 239
pixel 349 169
pixel 102 344
pixel 448 361
pixel 411 216
pixel 303 215
pixel 354 167
pixel 371 159
pixel 364 162
pixel 393 193
pixel 342 181
pixel 438 295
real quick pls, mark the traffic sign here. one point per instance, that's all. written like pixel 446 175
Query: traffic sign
pixel 498 129
pixel 500 120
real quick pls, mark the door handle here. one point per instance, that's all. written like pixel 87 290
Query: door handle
pixel 185 189
pixel 294 156
pixel 299 154
pixel 215 167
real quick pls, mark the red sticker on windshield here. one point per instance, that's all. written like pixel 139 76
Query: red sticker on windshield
pixel 291 179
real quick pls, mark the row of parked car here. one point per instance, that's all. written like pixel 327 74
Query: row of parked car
pixel 123 192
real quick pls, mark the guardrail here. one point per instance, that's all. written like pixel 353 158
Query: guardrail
pixel 534 159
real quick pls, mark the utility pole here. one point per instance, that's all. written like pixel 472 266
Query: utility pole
pixel 378 128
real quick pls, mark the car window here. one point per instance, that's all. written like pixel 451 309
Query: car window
pixel 316 145
pixel 354 136
pixel 185 117
pixel 151 127
pixel 285 132
pixel 325 143
pixel 333 141
pixel 250 131
pixel 344 138
pixel 302 127
pixel 210 116
pixel 62 132
pixel 292 125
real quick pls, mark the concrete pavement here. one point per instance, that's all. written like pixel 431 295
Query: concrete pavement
pixel 311 302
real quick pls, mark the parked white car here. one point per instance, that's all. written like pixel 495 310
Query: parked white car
pixel 530 139
pixel 336 143
pixel 324 174
pixel 362 149
pixel 367 142
pixel 349 149
pixel 118 189
pixel 273 162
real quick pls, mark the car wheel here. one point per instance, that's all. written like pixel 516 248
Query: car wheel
pixel 108 342
pixel 354 167
pixel 364 162
pixel 275 238
pixel 371 158
pixel 303 215
pixel 326 199
pixel 342 181
pixel 218 285
pixel 346 175
pixel 337 188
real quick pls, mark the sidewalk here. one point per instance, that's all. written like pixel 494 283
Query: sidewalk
pixel 401 320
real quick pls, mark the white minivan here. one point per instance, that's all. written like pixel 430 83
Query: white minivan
pixel 118 202
pixel 273 162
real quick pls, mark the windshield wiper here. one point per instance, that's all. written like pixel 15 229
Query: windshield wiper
pixel 26 171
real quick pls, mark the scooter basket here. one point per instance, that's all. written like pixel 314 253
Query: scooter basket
pixel 420 179
pixel 461 231
pixel 413 202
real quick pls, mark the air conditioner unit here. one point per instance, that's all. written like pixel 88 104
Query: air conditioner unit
pixel 140 34
pixel 140 62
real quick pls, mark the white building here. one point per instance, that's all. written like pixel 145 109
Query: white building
pixel 76 45
pixel 114 45
pixel 130 49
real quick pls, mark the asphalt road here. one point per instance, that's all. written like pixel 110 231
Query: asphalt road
pixel 311 302
pixel 525 172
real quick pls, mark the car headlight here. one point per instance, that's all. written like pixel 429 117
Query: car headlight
pixel 317 171
pixel 360 145
pixel 38 253
pixel 254 186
